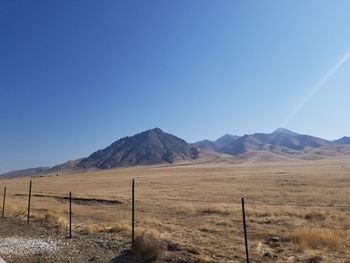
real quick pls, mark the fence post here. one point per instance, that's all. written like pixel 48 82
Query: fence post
pixel 3 203
pixel 245 232
pixel 70 214
pixel 133 213
pixel 29 197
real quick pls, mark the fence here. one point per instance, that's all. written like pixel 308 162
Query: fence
pixel 248 222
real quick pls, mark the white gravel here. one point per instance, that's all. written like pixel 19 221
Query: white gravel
pixel 20 246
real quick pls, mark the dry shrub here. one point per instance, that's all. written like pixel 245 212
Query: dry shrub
pixel 90 228
pixel 119 227
pixel 314 259
pixel 222 223
pixel 215 209
pixel 62 222
pixel 315 238
pixel 184 209
pixel 202 258
pixel 18 212
pixel 151 222
pixel 208 228
pixel 147 246
pixel 52 219
pixel 315 215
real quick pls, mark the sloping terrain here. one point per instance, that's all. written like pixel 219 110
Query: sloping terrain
pixel 146 148
pixel 30 171
pixel 217 144
pixel 344 140
pixel 296 212
pixel 155 147
pixel 281 140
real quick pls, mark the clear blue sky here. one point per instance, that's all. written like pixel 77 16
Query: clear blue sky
pixel 77 75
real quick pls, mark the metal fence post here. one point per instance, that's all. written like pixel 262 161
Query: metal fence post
pixel 133 213
pixel 245 232
pixel 3 203
pixel 70 214
pixel 29 197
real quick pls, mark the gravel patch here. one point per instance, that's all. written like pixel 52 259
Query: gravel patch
pixel 20 246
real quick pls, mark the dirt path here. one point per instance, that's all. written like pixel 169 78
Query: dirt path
pixel 35 243
pixel 39 243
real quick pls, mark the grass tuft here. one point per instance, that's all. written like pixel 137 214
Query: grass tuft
pixel 315 238
pixel 147 246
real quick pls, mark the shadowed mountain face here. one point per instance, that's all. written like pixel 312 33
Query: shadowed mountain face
pixel 146 148
pixel 206 144
pixel 344 140
pixel 225 140
pixel 281 140
pixel 217 144
pixel 157 147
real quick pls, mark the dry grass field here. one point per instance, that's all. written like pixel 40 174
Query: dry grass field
pixel 296 211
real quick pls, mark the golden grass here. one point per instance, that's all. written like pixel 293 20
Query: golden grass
pixel 163 203
pixel 314 238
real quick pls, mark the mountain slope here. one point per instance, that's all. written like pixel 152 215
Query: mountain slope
pixel 206 144
pixel 344 140
pixel 157 147
pixel 25 172
pixel 225 140
pixel 281 140
pixel 217 144
pixel 146 148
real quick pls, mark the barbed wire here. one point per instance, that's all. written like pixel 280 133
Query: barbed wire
pixel 250 225
pixel 138 199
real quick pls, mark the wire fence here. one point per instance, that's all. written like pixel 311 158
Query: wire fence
pixel 242 218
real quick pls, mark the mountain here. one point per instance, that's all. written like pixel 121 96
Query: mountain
pixel 225 140
pixel 146 148
pixel 217 144
pixel 344 140
pixel 25 172
pixel 206 144
pixel 67 166
pixel 285 131
pixel 157 147
pixel 280 141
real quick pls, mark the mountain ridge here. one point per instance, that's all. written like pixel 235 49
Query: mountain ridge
pixel 153 147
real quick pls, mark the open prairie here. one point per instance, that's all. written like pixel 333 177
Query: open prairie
pixel 297 211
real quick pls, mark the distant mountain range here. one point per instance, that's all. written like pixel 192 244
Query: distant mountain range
pixel 217 144
pixel 281 140
pixel 26 172
pixel 154 147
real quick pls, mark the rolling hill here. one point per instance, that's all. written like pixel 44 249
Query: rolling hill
pixel 29 171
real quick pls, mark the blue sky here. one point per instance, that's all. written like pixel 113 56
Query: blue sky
pixel 77 75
